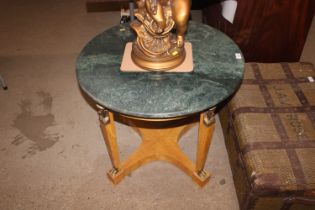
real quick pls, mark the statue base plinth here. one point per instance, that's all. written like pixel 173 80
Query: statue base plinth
pixel 184 64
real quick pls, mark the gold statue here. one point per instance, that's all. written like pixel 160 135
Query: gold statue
pixel 156 47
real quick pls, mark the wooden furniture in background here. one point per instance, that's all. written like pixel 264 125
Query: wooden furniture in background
pixel 106 5
pixel 266 30
pixel 116 5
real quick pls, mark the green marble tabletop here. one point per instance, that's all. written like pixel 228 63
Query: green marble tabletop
pixel 217 74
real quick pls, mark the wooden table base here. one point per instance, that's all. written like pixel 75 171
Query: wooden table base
pixel 159 142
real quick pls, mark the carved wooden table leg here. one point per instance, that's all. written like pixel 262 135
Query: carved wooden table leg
pixel 109 132
pixel 159 142
pixel 206 128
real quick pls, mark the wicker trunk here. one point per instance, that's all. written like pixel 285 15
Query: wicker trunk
pixel 269 128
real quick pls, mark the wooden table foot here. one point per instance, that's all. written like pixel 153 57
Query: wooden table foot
pixel 201 178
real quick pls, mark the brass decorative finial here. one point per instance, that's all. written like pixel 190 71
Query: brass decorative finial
pixel 157 48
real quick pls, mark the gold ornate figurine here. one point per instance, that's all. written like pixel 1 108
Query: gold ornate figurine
pixel 157 48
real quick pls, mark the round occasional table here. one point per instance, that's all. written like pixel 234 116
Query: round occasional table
pixel 160 106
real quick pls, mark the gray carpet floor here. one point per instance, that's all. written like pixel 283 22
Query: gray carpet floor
pixel 52 154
